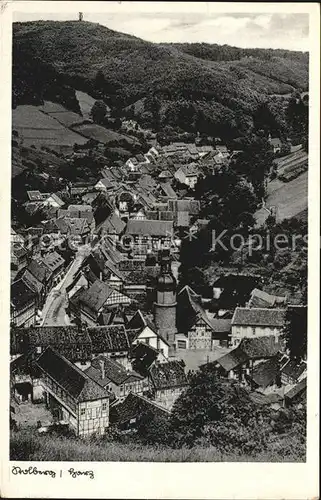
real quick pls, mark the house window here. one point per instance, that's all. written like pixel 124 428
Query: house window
pixel 147 341
pixel 253 331
pixel 83 411
pixel 104 406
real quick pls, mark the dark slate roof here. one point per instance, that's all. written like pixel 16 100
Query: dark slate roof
pixel 75 382
pixel 75 298
pixel 96 296
pixel 112 225
pixel 149 227
pixel 220 325
pixel 21 294
pixel 53 261
pixel 168 375
pixel 232 359
pixel 267 373
pixel 142 357
pixel 108 338
pixel 113 372
pixel 48 335
pixel 298 390
pixel 260 347
pixel 134 406
pixel 31 281
pixel 294 369
pixel 69 341
pixel 138 322
pixel 258 317
pixel 39 270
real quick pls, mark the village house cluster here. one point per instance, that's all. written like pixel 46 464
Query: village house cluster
pixel 101 330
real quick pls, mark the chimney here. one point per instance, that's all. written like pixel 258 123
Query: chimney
pixel 102 368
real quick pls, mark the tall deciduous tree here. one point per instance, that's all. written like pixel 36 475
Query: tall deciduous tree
pixel 98 111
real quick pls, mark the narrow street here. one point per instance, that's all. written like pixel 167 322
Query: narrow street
pixel 54 310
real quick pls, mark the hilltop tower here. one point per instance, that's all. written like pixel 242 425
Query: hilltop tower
pixel 165 305
pixel 80 16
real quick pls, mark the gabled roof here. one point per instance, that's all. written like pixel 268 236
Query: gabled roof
pixel 142 356
pixel 21 294
pixel 220 325
pixel 111 370
pixel 39 270
pixel 260 347
pixel 168 190
pixel 267 373
pixel 76 383
pixel 233 359
pixel 264 300
pixel 111 338
pixel 106 183
pixel 96 296
pixel 168 375
pixel 56 198
pixel 112 225
pixel 32 282
pixel 70 341
pixel 149 228
pixel 138 322
pixel 298 390
pixel 189 170
pixel 53 261
pixel 276 142
pixel 294 369
pixel 132 407
pixel 258 317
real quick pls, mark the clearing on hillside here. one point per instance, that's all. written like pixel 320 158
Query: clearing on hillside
pixel 290 200
pixel 86 102
pixel 39 129
pixel 101 134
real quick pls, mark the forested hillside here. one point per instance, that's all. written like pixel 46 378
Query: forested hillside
pixel 203 86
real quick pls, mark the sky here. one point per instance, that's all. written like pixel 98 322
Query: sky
pixel 193 22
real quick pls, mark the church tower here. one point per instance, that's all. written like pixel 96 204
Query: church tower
pixel 165 305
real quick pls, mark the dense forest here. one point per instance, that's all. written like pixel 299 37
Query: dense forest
pixel 209 88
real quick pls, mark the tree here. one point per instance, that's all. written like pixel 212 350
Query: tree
pixel 295 331
pixel 98 111
pixel 211 401
pixel 100 82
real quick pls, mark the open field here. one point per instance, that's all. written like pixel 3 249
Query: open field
pixel 39 129
pixel 86 102
pixel 28 445
pixel 61 114
pixel 290 199
pixel 292 165
pixel 101 134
